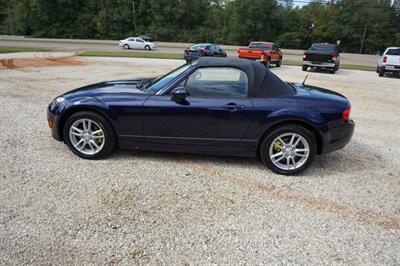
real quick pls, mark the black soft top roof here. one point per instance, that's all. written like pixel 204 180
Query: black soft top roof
pixel 262 82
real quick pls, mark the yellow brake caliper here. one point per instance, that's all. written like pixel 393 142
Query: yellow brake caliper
pixel 277 146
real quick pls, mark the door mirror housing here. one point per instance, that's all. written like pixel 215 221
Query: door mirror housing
pixel 179 94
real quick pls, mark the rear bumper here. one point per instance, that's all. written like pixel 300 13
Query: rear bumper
pixel 257 59
pixel 190 58
pixel 338 136
pixel 319 64
pixel 391 68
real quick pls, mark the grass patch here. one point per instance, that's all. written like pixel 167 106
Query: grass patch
pixel 7 50
pixel 134 54
pixel 342 66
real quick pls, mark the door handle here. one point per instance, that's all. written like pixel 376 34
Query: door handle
pixel 232 107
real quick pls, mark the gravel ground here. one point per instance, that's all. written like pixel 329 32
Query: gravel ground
pixel 157 208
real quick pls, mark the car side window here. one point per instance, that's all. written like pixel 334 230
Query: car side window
pixel 139 40
pixel 131 39
pixel 217 82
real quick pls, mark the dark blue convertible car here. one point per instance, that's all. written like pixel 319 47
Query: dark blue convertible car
pixel 232 107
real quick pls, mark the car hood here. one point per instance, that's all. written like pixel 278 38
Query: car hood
pixel 108 87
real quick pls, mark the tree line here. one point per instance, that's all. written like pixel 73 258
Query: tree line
pixel 219 21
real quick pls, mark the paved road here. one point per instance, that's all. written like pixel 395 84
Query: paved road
pixel 163 47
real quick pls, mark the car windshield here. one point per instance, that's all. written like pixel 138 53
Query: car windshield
pixel 199 46
pixel 393 52
pixel 257 45
pixel 157 84
pixel 323 47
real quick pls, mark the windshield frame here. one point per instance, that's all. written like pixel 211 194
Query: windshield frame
pixel 150 88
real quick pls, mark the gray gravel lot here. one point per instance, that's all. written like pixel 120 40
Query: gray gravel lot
pixel 158 208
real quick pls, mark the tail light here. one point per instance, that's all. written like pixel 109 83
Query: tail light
pixel 384 59
pixel 346 114
pixel 305 55
pixel 334 56
pixel 203 52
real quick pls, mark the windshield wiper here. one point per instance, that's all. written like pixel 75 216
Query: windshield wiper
pixel 142 85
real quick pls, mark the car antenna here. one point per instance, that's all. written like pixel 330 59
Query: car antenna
pixel 304 81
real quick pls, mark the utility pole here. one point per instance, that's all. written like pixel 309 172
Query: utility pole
pixel 363 39
pixel 134 16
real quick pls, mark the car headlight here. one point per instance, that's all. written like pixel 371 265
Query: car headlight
pixel 57 100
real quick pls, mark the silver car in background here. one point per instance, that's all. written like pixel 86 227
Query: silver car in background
pixel 389 61
pixel 137 43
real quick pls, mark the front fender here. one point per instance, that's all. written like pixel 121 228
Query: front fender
pixel 83 104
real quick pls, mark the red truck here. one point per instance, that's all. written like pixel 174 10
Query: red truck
pixel 264 52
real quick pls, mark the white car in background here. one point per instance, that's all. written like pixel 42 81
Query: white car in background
pixel 389 61
pixel 137 43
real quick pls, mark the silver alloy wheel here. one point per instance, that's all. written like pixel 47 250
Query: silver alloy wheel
pixel 289 151
pixel 87 136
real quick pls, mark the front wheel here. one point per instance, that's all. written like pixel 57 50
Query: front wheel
pixel 147 47
pixel 288 149
pixel 126 46
pixel 89 135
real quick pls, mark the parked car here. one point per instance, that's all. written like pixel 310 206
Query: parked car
pixel 202 49
pixel 322 56
pixel 264 52
pixel 217 106
pixel 137 43
pixel 389 61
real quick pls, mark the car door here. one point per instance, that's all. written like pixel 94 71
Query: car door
pixel 216 112
pixel 139 43
pixel 131 42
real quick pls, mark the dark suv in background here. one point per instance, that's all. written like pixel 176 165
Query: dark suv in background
pixel 203 49
pixel 322 56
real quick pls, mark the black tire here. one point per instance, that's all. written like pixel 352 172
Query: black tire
pixel 279 63
pixel 381 72
pixel 267 63
pixel 377 70
pixel 289 128
pixel 126 46
pixel 109 136
pixel 147 47
pixel 332 70
pixel 188 61
pixel 304 67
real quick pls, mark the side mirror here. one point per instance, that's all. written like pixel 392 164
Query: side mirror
pixel 179 94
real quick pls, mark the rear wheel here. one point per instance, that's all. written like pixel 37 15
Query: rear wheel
pixel 304 67
pixel 89 135
pixel 381 72
pixel 279 63
pixel 332 70
pixel 267 63
pixel 288 149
